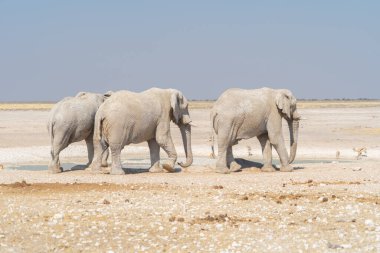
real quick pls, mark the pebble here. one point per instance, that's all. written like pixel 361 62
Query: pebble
pixel 323 199
pixel 369 223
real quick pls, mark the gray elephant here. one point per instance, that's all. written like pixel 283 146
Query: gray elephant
pixel 242 114
pixel 129 117
pixel 72 120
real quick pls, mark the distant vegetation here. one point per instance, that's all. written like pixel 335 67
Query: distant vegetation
pixel 207 104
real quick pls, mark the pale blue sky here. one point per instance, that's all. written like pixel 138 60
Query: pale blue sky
pixel 317 49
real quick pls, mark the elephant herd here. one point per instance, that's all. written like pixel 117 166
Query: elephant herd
pixel 113 120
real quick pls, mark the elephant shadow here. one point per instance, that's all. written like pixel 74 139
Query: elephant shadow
pixel 130 170
pixel 247 164
pixel 135 170
pixel 75 168
pixel 127 170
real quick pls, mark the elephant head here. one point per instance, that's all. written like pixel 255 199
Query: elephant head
pixel 180 116
pixel 287 106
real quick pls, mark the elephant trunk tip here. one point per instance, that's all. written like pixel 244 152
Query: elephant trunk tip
pixel 188 162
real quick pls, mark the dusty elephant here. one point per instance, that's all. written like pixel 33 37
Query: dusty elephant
pixel 72 120
pixel 129 117
pixel 243 114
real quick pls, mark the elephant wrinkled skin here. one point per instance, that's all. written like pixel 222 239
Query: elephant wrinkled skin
pixel 72 120
pixel 128 117
pixel 243 114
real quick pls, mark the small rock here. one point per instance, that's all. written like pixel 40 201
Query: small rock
pixel 369 223
pixel 219 226
pixel 334 246
pixel 58 216
pixel 235 244
pixel 323 199
pixel 173 230
pixel 106 202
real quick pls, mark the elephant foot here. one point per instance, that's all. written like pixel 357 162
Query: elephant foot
pixel 223 170
pixel 268 168
pixel 117 171
pixel 96 171
pixel 235 167
pixel 55 169
pixel 104 164
pixel 95 168
pixel 155 169
pixel 287 168
pixel 168 167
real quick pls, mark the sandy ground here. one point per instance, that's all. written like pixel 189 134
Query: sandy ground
pixel 325 205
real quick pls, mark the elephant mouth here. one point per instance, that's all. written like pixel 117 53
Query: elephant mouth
pixel 185 120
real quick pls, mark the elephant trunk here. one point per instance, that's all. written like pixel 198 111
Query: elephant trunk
pixel 186 138
pixel 293 131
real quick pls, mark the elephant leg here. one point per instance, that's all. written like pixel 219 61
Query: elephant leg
pixel 90 148
pixel 278 143
pixel 223 144
pixel 266 148
pixel 116 168
pixel 54 165
pixel 165 141
pixel 231 163
pixel 100 153
pixel 58 144
pixel 154 149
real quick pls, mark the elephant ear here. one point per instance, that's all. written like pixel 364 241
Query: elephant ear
pixel 283 103
pixel 80 94
pixel 108 94
pixel 175 99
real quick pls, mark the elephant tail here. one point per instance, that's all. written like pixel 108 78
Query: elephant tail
pixel 50 128
pixel 98 125
pixel 212 134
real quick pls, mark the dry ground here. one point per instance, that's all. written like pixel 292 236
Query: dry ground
pixel 325 205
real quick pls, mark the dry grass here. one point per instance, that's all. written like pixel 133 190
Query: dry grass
pixel 201 104
pixel 25 106
pixel 338 104
pixel 363 130
pixel 208 104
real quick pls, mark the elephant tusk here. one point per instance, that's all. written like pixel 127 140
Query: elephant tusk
pixel 192 124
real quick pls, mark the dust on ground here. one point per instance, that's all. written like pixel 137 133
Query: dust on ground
pixel 329 203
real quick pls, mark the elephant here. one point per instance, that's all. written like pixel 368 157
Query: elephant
pixel 242 114
pixel 128 117
pixel 72 120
